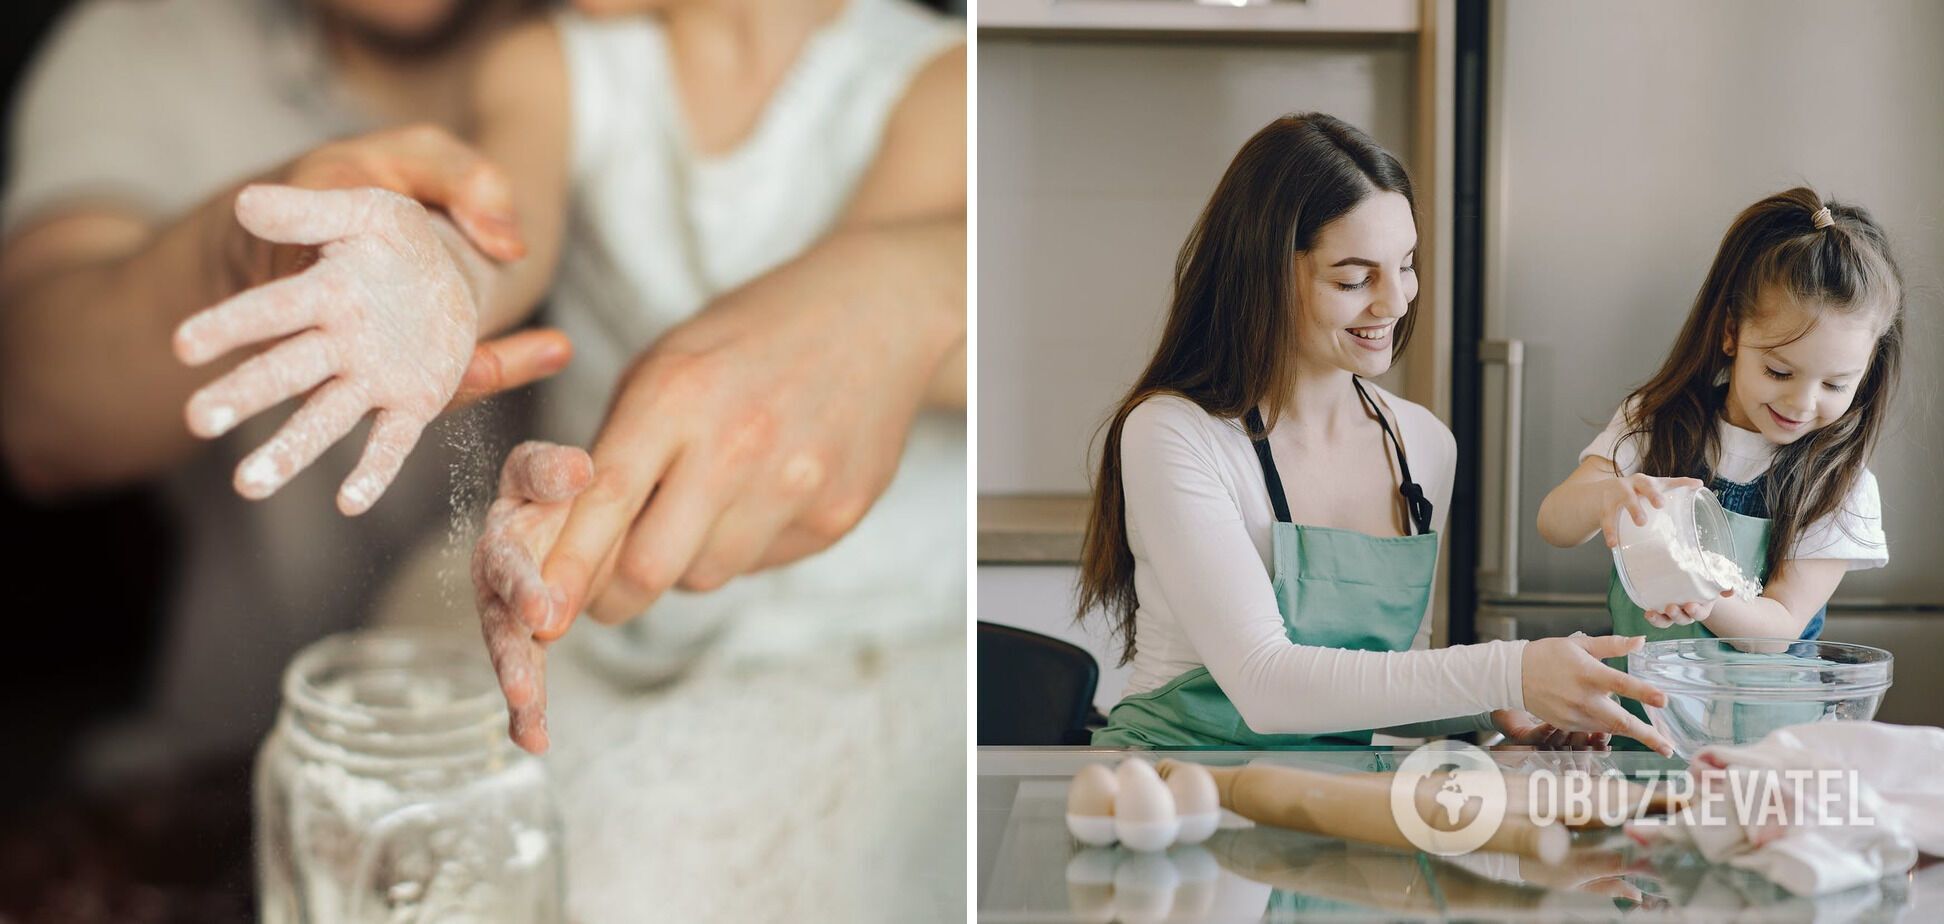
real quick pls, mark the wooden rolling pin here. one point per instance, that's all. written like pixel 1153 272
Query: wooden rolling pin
pixel 1355 807
pixel 1578 817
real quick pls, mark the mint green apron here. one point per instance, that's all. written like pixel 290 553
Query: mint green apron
pixel 1335 588
pixel 1751 554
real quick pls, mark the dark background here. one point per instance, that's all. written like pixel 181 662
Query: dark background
pixel 85 579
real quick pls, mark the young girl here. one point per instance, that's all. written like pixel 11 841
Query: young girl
pixel 1774 396
pixel 1264 532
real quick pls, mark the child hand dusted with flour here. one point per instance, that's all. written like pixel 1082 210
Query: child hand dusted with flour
pixel 518 613
pixel 1773 396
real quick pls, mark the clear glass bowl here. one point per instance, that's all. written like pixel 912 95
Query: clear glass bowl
pixel 1689 517
pixel 389 791
pixel 1736 690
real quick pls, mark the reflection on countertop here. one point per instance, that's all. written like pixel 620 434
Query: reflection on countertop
pixel 1030 869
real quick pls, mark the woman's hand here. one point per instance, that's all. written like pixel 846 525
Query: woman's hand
pixel 386 320
pixel 425 163
pixel 1524 728
pixel 1566 685
pixel 756 433
pixel 1633 494
pixel 537 483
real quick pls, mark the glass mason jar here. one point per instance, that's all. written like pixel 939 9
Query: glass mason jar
pixel 389 791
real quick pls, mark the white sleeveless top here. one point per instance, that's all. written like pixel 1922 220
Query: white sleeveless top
pixel 656 230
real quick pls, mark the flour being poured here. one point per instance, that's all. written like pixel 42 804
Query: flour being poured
pixel 1664 559
pixel 474 474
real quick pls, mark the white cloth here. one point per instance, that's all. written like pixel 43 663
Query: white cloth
pixel 1897 809
pixel 821 789
pixel 1853 533
pixel 657 230
pixel 1198 523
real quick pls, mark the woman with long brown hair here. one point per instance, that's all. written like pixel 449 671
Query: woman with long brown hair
pixel 1258 536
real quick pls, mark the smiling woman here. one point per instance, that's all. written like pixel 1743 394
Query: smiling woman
pixel 1258 618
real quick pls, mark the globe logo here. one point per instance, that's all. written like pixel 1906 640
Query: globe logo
pixel 1448 798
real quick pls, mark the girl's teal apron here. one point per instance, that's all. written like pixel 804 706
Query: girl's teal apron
pixel 1335 588
pixel 1748 522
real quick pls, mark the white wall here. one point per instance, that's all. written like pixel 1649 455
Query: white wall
pixel 1094 159
pixel 1041 599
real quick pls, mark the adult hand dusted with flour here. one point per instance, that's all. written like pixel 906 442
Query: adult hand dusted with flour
pixel 537 485
pixel 756 433
pixel 384 320
pixel 421 162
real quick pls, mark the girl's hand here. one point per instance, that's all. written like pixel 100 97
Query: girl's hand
pixel 1683 614
pixel 1633 494
pixel 537 484
pixel 1520 727
pixel 1566 685
pixel 386 320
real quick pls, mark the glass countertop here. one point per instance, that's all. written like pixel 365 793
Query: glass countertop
pixel 1031 870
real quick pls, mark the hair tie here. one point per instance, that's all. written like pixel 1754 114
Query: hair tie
pixel 1822 219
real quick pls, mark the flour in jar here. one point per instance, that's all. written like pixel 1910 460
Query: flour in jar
pixel 386 831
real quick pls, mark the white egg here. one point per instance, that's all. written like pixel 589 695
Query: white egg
pixel 1090 805
pixel 1144 810
pixel 1092 791
pixel 1196 802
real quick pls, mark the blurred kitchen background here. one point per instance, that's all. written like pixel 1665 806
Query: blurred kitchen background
pixel 1576 164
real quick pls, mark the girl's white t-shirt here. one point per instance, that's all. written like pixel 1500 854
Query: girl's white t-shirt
pixel 1199 524
pixel 1853 533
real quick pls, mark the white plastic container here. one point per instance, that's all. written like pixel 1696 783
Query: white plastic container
pixel 1684 554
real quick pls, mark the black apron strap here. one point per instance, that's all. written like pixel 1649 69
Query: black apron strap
pixel 1414 499
pixel 1269 476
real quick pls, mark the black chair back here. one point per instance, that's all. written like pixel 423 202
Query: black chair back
pixel 1033 688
